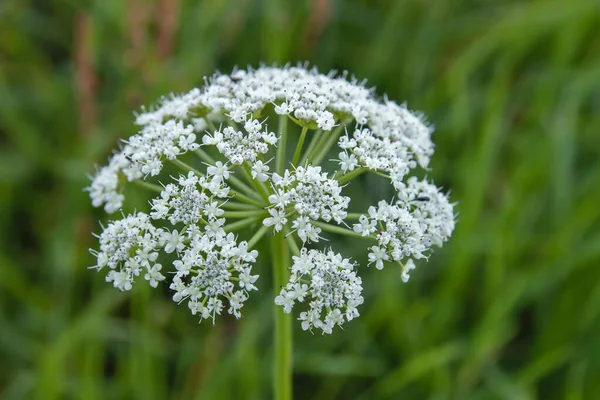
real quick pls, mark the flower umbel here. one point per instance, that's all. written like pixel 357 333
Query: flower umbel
pixel 328 283
pixel 229 140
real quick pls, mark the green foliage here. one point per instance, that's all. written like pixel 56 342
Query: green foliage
pixel 508 309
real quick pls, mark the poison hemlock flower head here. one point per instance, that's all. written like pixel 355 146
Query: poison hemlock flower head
pixel 229 141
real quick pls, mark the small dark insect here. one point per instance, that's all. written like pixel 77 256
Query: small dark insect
pixel 422 198
pixel 235 78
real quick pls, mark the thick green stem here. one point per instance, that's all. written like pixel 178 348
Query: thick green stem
pixel 282 367
pixel 299 146
pixel 280 158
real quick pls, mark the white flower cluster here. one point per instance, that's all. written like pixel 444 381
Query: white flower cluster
pixel 431 207
pixel 312 195
pixel 210 263
pixel 230 119
pixel 374 152
pixel 421 217
pixel 306 95
pixel 129 247
pixel 142 155
pixel 239 146
pixel 186 204
pixel 173 106
pixel 104 189
pixel 209 259
pixel 328 282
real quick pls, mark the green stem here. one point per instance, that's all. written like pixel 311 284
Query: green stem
pixel 242 186
pixel 293 245
pixel 149 186
pixel 204 156
pixel 322 139
pixel 339 230
pixel 282 367
pixel 351 175
pixel 186 167
pixel 210 125
pixel 299 146
pixel 232 205
pixel 257 236
pixel 251 196
pixel 258 185
pixel 241 224
pixel 244 198
pixel 280 158
pixel 333 136
pixel 382 174
pixel 311 146
pixel 245 214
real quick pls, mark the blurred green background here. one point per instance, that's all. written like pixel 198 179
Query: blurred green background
pixel 508 309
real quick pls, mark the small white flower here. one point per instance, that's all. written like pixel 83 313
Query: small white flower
pixel 277 219
pixel 252 126
pixel 214 139
pixel 236 302
pixel 285 299
pixel 247 280
pixel 347 162
pixel 172 241
pixel 410 264
pixel 122 280
pixel 259 171
pixel 283 108
pixel 219 171
pixel 378 256
pixel 279 198
pixel 212 210
pixel 325 121
pixel 299 290
pixel 365 226
pixel 283 181
pixel 154 276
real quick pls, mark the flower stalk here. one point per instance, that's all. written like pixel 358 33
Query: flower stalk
pixel 280 158
pixel 299 146
pixel 282 367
